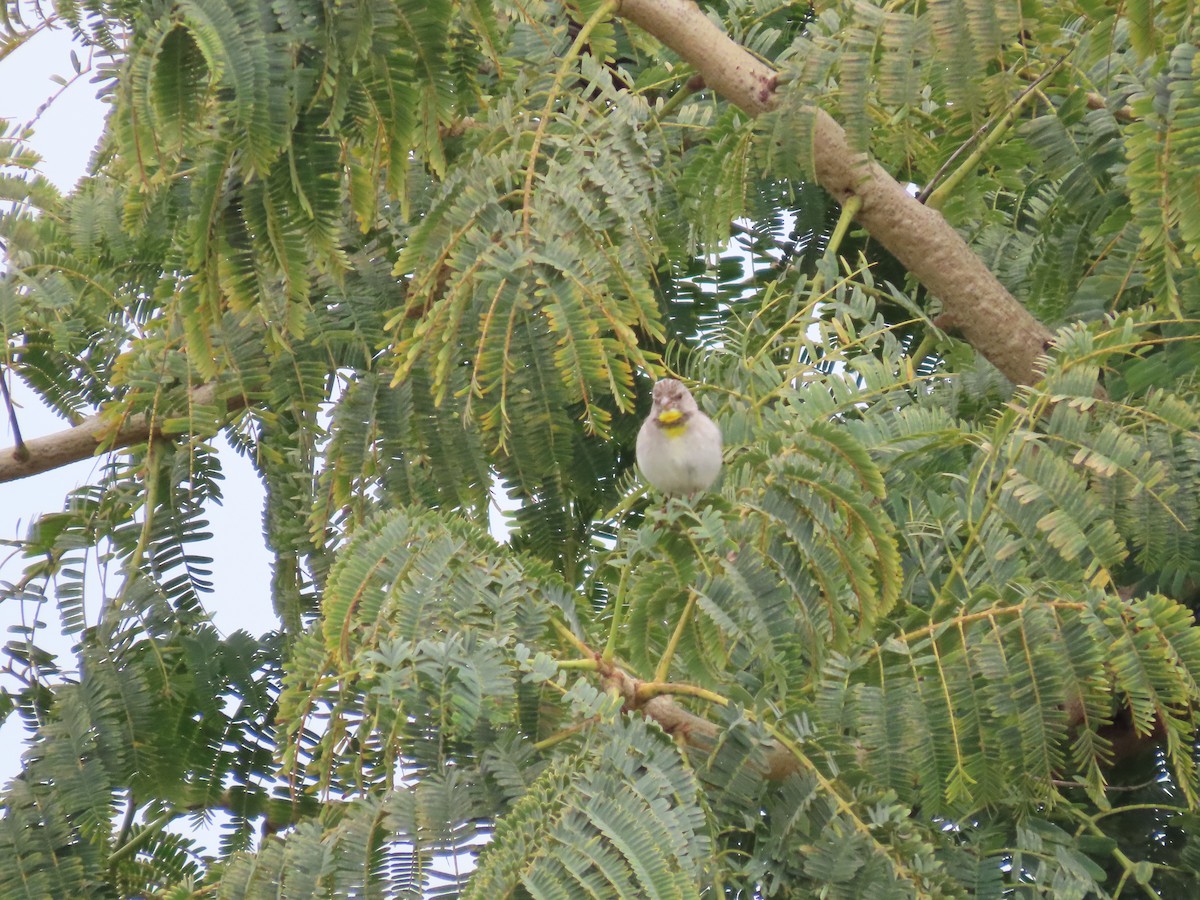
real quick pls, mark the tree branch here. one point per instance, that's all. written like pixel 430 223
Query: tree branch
pixel 989 317
pixel 776 763
pixel 92 434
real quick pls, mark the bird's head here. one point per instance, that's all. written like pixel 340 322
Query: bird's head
pixel 673 403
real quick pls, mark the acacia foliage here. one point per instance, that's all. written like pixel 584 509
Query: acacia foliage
pixel 424 248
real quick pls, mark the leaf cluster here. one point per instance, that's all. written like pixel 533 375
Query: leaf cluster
pixel 420 254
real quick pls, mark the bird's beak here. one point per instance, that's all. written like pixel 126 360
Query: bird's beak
pixel 670 416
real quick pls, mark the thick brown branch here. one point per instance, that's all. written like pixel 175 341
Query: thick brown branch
pixel 989 317
pixel 777 762
pixel 94 433
pixel 697 732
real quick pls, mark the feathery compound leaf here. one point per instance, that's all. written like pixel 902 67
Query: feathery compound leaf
pixel 985 695
pixel 915 642
pixel 571 263
pixel 409 571
pixel 619 818
pixel 419 619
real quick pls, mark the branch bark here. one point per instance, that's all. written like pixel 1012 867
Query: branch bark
pixel 988 316
pixel 775 764
pixel 92 434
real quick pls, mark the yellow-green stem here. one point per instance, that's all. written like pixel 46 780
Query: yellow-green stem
pixel 842 804
pixel 676 100
pixel 1126 863
pixel 649 689
pixel 845 218
pixel 618 602
pixel 603 11
pixel 149 830
pixel 151 478
pixel 938 196
pixel 664 664
pixel 559 737
pixel 569 636
pixel 587 664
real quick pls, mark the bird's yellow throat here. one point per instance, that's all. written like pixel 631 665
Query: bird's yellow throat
pixel 669 419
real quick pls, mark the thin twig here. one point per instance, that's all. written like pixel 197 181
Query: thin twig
pixel 20 451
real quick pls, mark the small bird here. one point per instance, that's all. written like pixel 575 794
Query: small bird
pixel 678 446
